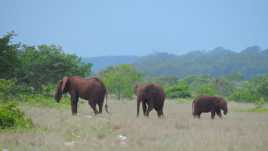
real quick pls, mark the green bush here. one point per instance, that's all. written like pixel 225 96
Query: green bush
pixel 45 101
pixel 48 90
pixel 7 88
pixel 12 117
pixel 246 93
pixel 120 80
pixel 178 94
pixel 180 90
pixel 259 103
pixel 206 89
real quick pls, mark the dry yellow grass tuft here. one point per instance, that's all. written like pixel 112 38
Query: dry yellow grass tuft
pixel 58 130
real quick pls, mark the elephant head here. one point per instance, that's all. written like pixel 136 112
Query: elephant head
pixel 222 104
pixel 61 88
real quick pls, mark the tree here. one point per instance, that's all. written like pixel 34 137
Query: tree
pixel 263 86
pixel 121 79
pixel 47 64
pixel 178 90
pixel 206 89
pixel 247 92
pixel 8 56
pixel 223 86
pixel 164 81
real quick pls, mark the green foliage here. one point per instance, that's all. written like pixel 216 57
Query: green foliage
pixel 206 89
pixel 208 85
pixel 7 88
pixel 35 66
pixel 260 103
pixel 217 62
pixel 45 64
pixel 223 86
pixel 12 117
pixel 121 79
pixel 246 93
pixel 164 81
pixel 179 90
pixel 252 90
pixel 44 100
pixel 48 90
pixel 8 56
pixel 262 83
pixel 236 76
pixel 256 110
pixel 201 85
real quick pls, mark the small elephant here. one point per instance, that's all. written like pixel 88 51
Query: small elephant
pixel 211 104
pixel 152 97
pixel 91 89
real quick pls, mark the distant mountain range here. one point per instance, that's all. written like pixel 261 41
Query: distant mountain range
pixel 249 62
pixel 100 63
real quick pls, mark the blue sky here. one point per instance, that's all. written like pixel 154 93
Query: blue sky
pixel 137 27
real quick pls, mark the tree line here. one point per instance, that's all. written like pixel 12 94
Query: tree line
pixel 37 69
pixel 31 68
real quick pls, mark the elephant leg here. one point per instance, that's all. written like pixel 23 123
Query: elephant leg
pixel 212 114
pixel 144 107
pixel 74 102
pixel 159 111
pixel 150 108
pixel 92 103
pixel 138 107
pixel 198 115
pixel 219 113
pixel 100 104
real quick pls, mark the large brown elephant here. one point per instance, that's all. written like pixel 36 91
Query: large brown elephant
pixel 211 104
pixel 152 97
pixel 91 89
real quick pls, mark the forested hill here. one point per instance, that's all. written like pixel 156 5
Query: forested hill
pixel 249 62
pixel 100 63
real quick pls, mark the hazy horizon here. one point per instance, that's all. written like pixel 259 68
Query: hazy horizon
pixel 124 28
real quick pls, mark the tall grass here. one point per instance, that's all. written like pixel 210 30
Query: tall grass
pixel 239 131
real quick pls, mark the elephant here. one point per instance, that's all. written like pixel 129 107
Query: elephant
pixel 91 89
pixel 211 104
pixel 152 97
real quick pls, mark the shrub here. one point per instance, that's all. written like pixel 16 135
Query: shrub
pixel 180 90
pixel 48 90
pixel 12 117
pixel 7 88
pixel 259 103
pixel 179 94
pixel 206 89
pixel 246 93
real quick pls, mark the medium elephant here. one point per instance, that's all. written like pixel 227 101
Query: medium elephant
pixel 91 89
pixel 152 97
pixel 211 104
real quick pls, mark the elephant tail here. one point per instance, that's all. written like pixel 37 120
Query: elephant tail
pixel 106 105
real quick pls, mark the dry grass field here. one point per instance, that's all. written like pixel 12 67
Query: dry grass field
pixel 55 129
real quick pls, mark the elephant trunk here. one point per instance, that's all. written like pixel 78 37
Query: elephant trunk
pixel 225 108
pixel 58 93
pixel 225 111
pixel 57 96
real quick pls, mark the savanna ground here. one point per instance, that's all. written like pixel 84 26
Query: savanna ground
pixel 56 129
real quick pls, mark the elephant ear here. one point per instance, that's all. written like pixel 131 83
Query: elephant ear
pixel 63 84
